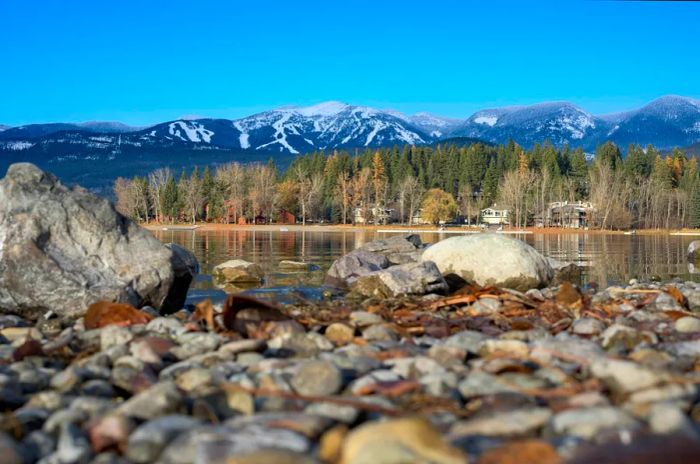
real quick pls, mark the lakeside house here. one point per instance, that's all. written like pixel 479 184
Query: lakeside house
pixel 375 215
pixel 565 214
pixel 494 216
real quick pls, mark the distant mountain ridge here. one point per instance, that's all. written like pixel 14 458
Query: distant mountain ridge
pixel 94 149
pixel 665 122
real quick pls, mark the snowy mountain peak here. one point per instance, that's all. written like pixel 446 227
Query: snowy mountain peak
pixel 329 108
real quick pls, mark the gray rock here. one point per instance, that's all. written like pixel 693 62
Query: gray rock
pixel 587 423
pixel 317 378
pixel 587 326
pixel 565 272
pixel 405 279
pixel 363 319
pixel 468 340
pixel 625 377
pixel 667 418
pixel 687 324
pixel 147 441
pixel 344 271
pixel 185 268
pixel 399 249
pixel 514 423
pixel 159 400
pixel 73 446
pixel 491 259
pixel 63 249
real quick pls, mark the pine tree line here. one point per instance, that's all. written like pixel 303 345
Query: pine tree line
pixel 643 190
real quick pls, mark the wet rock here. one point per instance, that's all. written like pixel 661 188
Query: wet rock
pixel 587 423
pixel 185 268
pixel 237 271
pixel 64 249
pixel 479 383
pixel 398 440
pixel 565 272
pixel 148 440
pixel 296 266
pixel 405 279
pixel 345 271
pixel 317 378
pixel 491 259
pixel 114 335
pixel 621 337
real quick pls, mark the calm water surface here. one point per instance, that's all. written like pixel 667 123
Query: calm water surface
pixel 607 259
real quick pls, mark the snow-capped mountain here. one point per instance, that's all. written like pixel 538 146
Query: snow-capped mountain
pixel 3 127
pixel 665 122
pixel 33 131
pixel 327 125
pixel 559 123
pixel 436 126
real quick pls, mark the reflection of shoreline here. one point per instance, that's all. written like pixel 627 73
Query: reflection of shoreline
pixel 206 227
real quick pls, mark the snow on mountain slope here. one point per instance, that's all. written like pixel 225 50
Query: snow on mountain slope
pixel 557 122
pixel 3 127
pixel 327 125
pixel 665 122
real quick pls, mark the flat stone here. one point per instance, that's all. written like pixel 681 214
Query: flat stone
pixel 158 400
pixel 514 423
pixel 405 279
pixel 508 347
pixel 587 326
pixel 625 377
pixel 317 378
pixel 587 423
pixel 363 319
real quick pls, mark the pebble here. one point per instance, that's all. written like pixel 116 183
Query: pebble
pixel 687 324
pixel 317 378
pixel 587 326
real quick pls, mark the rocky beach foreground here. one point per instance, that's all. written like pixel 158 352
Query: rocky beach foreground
pixel 475 349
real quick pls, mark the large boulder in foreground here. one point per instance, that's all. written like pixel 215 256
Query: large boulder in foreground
pixel 62 249
pixel 491 259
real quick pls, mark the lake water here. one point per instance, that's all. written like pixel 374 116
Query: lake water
pixel 607 259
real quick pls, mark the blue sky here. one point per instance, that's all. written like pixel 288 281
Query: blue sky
pixel 149 61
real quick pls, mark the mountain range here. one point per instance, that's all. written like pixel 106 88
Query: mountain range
pixel 84 150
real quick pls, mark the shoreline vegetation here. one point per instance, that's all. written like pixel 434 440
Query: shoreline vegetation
pixel 399 228
pixel 545 186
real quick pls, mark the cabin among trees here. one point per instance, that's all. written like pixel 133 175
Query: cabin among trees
pixel 494 216
pixel 568 215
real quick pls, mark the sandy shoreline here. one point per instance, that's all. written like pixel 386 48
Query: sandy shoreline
pixel 208 227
